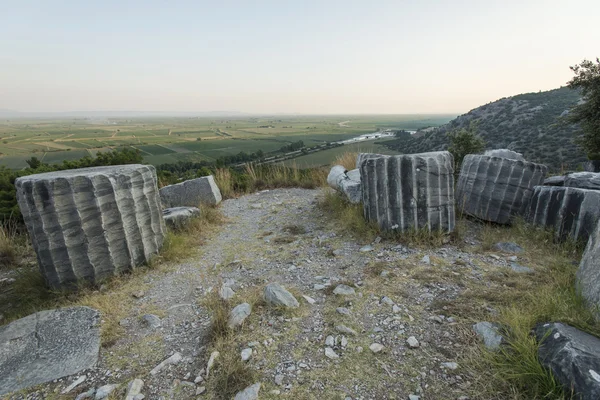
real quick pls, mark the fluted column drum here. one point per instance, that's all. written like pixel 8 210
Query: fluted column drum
pixel 411 191
pixel 92 223
pixel 497 189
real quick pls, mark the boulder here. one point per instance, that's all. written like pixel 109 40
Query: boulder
pixel 276 295
pixel 504 153
pixel 497 189
pixel 412 191
pixel 583 180
pixel 570 212
pixel 48 345
pixel 347 182
pixel 92 223
pixel 555 181
pixel 588 273
pixel 573 357
pixel 191 193
pixel 178 217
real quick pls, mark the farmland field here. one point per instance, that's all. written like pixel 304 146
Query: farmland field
pixel 172 139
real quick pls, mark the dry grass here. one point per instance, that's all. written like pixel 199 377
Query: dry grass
pixel 348 217
pixel 346 160
pixel 15 247
pixel 224 181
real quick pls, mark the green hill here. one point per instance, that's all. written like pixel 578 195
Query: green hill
pixel 526 123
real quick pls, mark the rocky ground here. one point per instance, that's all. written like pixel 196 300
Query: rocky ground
pixel 376 320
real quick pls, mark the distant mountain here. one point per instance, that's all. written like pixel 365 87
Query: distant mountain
pixel 526 123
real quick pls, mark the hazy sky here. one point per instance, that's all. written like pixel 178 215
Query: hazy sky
pixel 287 56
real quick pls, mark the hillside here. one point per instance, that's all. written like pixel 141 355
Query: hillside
pixel 527 123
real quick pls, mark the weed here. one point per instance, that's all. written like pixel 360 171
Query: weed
pixel 346 160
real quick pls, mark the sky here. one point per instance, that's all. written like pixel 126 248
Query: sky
pixel 304 56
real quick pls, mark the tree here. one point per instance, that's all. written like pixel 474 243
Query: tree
pixel 587 113
pixel 464 141
pixel 33 162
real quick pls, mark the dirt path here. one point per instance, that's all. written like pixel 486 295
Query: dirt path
pixel 282 236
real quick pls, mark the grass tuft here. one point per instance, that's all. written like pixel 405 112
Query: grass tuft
pixel 346 160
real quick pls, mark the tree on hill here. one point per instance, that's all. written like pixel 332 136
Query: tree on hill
pixel 587 113
pixel 464 141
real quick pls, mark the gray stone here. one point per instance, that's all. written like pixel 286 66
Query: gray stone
pixel 412 191
pixel 497 189
pixel 151 320
pixel 178 217
pixel 86 395
pixel 329 353
pixel 588 273
pixel 330 341
pixel 211 361
pixel 336 173
pixel 48 345
pixel 573 357
pixel 134 389
pixel 246 354
pixel 414 397
pixel 488 332
pixel 92 223
pixel 571 212
pixel 174 359
pixel 75 383
pixel 412 342
pixel 583 180
pixel 342 310
pixel 354 175
pixel 276 295
pixel 250 393
pixel 345 329
pixel 309 300
pixel 366 249
pixel 504 153
pixel 279 379
pixel 508 247
pixel 238 315
pixel 376 347
pixel 520 268
pixel 344 290
pixel 104 391
pixel 226 293
pixel 191 193
pixel 555 181
pixel 449 365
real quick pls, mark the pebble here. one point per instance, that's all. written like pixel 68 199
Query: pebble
pixel 376 347
pixel 329 353
pixel 246 354
pixel 134 389
pixel 450 365
pixel 174 359
pixel 330 341
pixel 211 361
pixel 309 300
pixel 342 310
pixel 75 383
pixel 345 329
pixel 344 290
pixel 200 390
pixel 412 342
pixel 104 391
pixel 366 249
pixel 226 293
pixel 426 260
pixel 279 379
pixel 238 315
pixel 250 393
pixel 151 320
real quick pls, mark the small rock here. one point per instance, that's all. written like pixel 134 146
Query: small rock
pixel 211 361
pixel 226 293
pixel 276 295
pixel 200 390
pixel 134 389
pixel 426 260
pixel 279 379
pixel 366 249
pixel 330 341
pixel 139 295
pixel 342 310
pixel 151 321
pixel 508 247
pixel 344 290
pixel 520 269
pixel 318 286
pixel 75 383
pixel 239 314
pixel 386 300
pixel 250 393
pixel 414 397
pixel 86 395
pixel 450 365
pixel 359 349
pixel 309 300
pixel 246 354
pixel 104 391
pixel 489 333
pixel 385 273
pixel 174 359
pixel 412 342
pixel 329 353
pixel 396 309
pixel 345 329
pixel 436 319
pixel 376 347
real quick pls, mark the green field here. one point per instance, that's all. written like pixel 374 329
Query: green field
pixel 168 140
